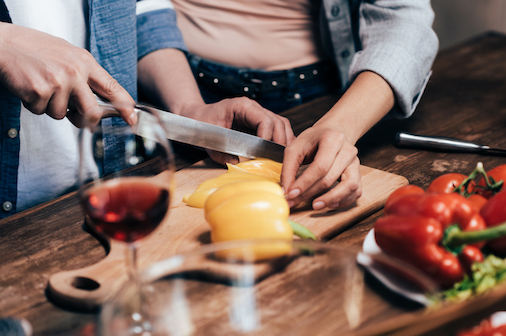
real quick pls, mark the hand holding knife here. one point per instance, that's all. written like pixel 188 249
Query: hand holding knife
pixel 208 136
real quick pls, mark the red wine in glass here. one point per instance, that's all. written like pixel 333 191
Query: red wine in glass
pixel 126 209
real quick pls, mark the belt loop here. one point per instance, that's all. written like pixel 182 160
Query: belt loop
pixel 290 78
pixel 248 88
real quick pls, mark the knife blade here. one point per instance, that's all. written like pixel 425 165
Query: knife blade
pixel 208 136
pixel 445 144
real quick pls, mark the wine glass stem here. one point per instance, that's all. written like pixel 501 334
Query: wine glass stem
pixel 131 260
pixel 139 316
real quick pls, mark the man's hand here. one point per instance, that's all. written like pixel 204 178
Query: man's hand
pixel 47 73
pixel 166 78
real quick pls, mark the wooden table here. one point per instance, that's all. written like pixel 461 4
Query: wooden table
pixel 465 98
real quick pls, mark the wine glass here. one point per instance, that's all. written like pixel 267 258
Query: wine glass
pixel 126 180
pixel 220 289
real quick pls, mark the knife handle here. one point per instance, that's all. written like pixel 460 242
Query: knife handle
pixel 435 142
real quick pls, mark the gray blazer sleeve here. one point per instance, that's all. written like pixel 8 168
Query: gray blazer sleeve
pixel 398 43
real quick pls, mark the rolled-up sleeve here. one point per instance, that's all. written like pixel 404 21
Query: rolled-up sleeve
pixel 157 27
pixel 399 44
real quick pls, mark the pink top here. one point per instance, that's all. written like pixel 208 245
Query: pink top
pixel 258 34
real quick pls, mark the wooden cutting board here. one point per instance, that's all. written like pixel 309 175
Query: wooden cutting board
pixel 185 229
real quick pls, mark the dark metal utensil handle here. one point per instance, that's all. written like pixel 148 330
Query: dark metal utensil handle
pixel 441 143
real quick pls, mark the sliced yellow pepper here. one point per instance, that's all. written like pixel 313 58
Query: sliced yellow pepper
pixel 250 210
pixel 258 169
pixel 199 197
pixel 263 167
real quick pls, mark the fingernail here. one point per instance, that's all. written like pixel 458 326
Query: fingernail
pixel 293 193
pixel 132 119
pixel 283 189
pixel 318 205
pixel 291 204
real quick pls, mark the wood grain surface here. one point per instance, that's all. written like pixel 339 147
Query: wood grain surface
pixel 185 230
pixel 465 98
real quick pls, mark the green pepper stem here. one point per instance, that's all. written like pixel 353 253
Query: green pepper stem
pixel 301 231
pixel 455 237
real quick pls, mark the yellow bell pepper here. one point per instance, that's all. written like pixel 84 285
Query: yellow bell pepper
pixel 250 210
pixel 258 169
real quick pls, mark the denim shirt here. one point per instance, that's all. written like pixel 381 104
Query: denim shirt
pixel 118 38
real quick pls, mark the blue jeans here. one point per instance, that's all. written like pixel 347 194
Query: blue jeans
pixel 274 90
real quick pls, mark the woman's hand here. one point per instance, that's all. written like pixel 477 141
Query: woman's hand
pixel 332 157
pixel 47 73
pixel 329 147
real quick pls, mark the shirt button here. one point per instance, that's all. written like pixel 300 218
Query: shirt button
pixel 345 53
pixel 12 133
pixel 296 96
pixel 7 206
pixel 335 10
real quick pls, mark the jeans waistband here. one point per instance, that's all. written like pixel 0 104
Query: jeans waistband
pixel 253 82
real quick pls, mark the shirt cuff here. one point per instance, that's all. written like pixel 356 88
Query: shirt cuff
pixel 157 29
pixel 404 77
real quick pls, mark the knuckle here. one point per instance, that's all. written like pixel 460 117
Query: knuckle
pixel 84 56
pixel 327 182
pixel 246 101
pixel 319 168
pixel 353 150
pixel 38 93
pixel 111 87
pixel 353 186
pixel 34 107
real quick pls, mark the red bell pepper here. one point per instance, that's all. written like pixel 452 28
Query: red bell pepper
pixel 418 228
pixel 494 213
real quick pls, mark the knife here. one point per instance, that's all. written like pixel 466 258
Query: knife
pixel 204 135
pixel 445 144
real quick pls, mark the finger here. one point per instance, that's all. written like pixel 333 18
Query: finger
pixel 249 113
pixel 290 136
pixel 327 151
pixel 265 128
pixel 57 106
pixel 345 193
pixel 344 160
pixel 84 109
pixel 107 87
pixel 37 103
pixel 222 158
pixel 279 134
pixel 293 158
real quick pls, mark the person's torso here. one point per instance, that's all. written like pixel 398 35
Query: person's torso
pixel 261 34
pixel 48 148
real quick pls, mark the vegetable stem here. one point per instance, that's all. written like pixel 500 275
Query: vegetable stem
pixel 301 231
pixel 479 170
pixel 455 237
